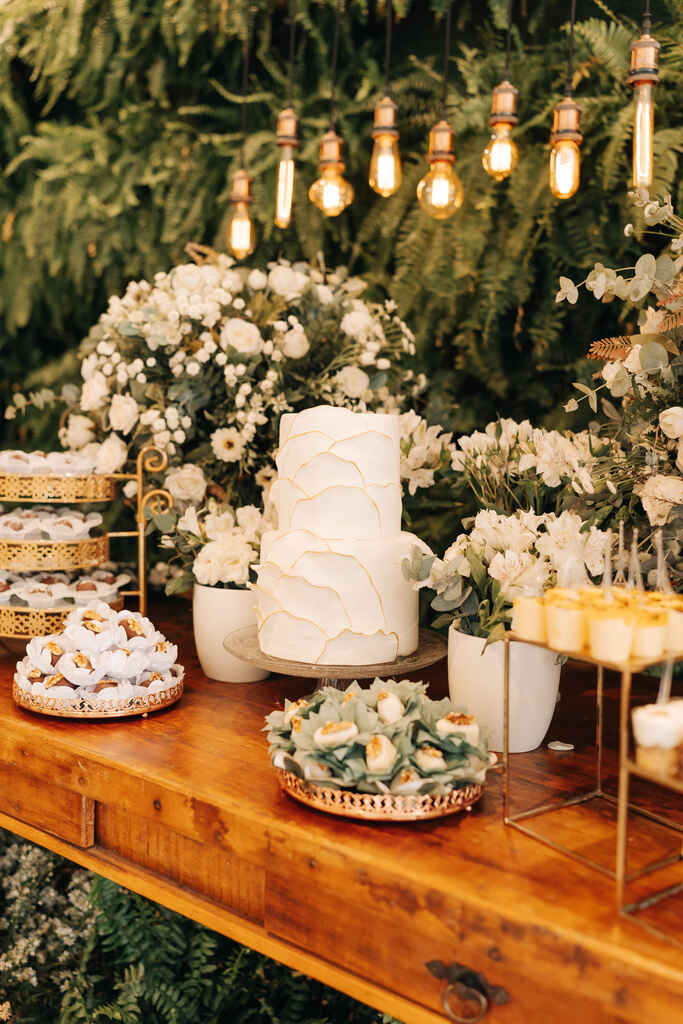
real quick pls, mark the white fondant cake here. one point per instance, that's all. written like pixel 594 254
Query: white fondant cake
pixel 330 587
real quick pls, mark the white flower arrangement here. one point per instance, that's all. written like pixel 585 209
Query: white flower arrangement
pixel 504 557
pixel 215 545
pixel 203 360
pixel 512 465
pixel 642 372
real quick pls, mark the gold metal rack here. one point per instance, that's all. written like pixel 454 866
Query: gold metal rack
pixel 596 792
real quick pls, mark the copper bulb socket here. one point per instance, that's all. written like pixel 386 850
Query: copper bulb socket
pixel 330 154
pixel 441 139
pixel 287 128
pixel 644 60
pixel 504 104
pixel 240 191
pixel 567 121
pixel 385 118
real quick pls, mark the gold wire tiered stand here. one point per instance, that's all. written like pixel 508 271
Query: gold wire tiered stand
pixel 21 622
pixel 596 793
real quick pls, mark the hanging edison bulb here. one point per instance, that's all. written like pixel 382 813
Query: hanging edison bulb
pixel 287 141
pixel 331 193
pixel 501 155
pixel 385 164
pixel 241 237
pixel 565 157
pixel 643 76
pixel 440 192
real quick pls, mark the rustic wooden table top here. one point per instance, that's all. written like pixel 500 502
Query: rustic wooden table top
pixel 184 808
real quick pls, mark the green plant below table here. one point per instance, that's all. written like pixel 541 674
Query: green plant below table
pixel 78 949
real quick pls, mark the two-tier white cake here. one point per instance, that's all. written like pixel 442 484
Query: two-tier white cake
pixel 330 588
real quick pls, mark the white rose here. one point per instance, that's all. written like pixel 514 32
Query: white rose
pixel 658 495
pixel 227 444
pixel 295 343
pixel 632 361
pixel 216 526
pixel 353 381
pixel 671 422
pixel 95 388
pixel 112 455
pixel 232 281
pixel 186 484
pixel 79 431
pixel 123 413
pixel 223 561
pixel 325 294
pixel 189 523
pixel 257 280
pixel 242 335
pixel 249 518
pixel 287 282
pixel 357 323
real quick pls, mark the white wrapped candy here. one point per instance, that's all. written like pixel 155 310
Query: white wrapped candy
pixel 429 759
pixel 162 656
pixel 139 631
pixel 122 662
pixel 335 734
pixel 389 707
pixel 78 668
pixel 459 725
pixel 380 754
pixel 406 783
pixel 44 652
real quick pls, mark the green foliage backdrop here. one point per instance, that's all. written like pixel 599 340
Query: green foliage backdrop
pixel 119 131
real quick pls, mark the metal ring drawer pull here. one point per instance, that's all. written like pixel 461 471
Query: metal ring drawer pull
pixel 465 997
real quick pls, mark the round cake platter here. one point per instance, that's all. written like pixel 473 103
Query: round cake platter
pixel 243 644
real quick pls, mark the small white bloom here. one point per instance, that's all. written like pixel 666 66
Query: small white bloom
pixel 111 455
pixel 193 368
pixel 79 431
pixel 257 280
pixel 95 388
pixel 123 413
pixel 227 444
pixel 186 484
pixel 189 522
pixel 352 381
pixel 671 422
pixel 295 343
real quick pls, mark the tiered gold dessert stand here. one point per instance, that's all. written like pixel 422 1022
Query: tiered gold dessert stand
pixel 23 622
pixel 597 796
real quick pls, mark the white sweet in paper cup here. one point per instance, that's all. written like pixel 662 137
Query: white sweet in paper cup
pixel 122 663
pixel 44 652
pixel 140 633
pixel 80 669
pixel 163 655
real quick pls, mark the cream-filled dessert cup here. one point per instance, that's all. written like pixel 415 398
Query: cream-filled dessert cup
pixel 610 633
pixel 528 619
pixel 649 634
pixel 566 625
pixel 658 734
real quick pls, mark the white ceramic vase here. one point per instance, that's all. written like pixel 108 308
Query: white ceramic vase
pixel 476 682
pixel 216 613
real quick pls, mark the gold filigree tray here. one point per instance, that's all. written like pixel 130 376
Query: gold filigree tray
pixel 59 556
pixel 68 489
pixel 60 707
pixel 379 806
pixel 22 623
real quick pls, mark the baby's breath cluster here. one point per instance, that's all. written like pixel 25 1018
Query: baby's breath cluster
pixel 389 738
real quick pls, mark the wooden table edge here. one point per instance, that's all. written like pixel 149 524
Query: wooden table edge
pixel 216 917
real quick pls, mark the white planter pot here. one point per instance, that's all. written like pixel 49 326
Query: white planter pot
pixel 476 682
pixel 216 613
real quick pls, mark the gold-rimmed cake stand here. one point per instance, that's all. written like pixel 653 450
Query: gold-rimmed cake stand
pixel 243 644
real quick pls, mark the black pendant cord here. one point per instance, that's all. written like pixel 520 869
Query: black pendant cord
pixel 508 42
pixel 570 55
pixel 446 55
pixel 387 52
pixel 245 79
pixel 333 68
pixel 647 20
pixel 292 39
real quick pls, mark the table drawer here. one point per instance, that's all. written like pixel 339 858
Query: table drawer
pixel 47 806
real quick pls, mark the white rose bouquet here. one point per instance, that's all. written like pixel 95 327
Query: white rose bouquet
pixel 643 373
pixel 203 360
pixel 504 557
pixel 216 545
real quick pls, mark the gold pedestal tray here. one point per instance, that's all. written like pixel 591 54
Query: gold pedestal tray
pixel 379 806
pixel 60 707
pixel 243 644
pixel 68 489
pixel 52 555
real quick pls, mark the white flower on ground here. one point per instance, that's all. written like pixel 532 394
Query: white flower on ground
pixel 243 336
pixel 352 381
pixel 95 389
pixel 671 422
pixel 226 560
pixel 227 444
pixel 187 484
pixel 79 431
pixel 111 455
pixel 123 413
pixel 294 343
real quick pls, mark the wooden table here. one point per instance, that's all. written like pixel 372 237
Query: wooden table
pixel 183 808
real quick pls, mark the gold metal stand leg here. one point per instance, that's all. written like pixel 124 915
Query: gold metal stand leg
pixel 622 818
pixel 506 731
